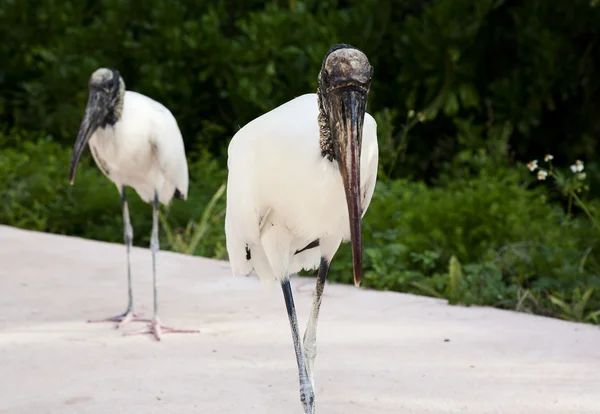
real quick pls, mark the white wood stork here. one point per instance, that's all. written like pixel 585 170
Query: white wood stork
pixel 135 141
pixel 300 179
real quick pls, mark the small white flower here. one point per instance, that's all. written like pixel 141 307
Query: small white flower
pixel 411 113
pixel 541 175
pixel 548 157
pixel 421 116
pixel 577 167
pixel 532 165
pixel 581 176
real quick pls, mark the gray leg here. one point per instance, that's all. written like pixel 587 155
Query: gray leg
pixel 129 315
pixel 310 335
pixel 154 246
pixel 156 328
pixel 307 394
pixel 128 237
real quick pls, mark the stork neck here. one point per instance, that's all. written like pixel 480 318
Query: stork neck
pixel 116 109
pixel 324 131
pixel 111 119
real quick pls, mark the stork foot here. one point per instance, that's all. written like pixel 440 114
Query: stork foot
pixel 156 328
pixel 122 319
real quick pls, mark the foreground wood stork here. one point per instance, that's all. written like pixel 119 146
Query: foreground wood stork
pixel 135 141
pixel 300 179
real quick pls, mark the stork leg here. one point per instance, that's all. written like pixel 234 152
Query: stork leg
pixel 129 315
pixel 310 335
pixel 307 394
pixel 155 327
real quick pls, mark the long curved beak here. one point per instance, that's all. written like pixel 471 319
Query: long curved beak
pixel 94 113
pixel 347 114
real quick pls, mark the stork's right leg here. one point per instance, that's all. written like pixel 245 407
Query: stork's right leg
pixel 155 327
pixel 310 335
pixel 129 315
pixel 271 257
pixel 307 394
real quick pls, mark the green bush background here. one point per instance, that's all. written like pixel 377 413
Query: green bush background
pixel 456 214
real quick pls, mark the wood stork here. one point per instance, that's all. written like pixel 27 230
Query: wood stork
pixel 135 141
pixel 300 179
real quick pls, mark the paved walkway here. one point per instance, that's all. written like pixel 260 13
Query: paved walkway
pixel 378 352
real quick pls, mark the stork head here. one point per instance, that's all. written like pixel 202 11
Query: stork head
pixel 105 103
pixel 344 83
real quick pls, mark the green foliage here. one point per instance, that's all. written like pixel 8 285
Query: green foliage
pixel 455 281
pixel 576 310
pixel 511 239
pixel 187 241
pixel 219 64
pixel 36 195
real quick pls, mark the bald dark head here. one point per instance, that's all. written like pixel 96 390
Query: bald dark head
pixel 345 65
pixel 107 81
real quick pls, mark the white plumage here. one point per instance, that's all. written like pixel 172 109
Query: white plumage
pixel 143 150
pixel 280 186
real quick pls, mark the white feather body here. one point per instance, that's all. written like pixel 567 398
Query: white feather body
pixel 283 194
pixel 143 150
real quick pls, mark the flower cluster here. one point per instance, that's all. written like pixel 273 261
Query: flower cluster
pixel 576 168
pixel 532 165
pixel 570 187
pixel 420 115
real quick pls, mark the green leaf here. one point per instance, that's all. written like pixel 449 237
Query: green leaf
pixel 468 95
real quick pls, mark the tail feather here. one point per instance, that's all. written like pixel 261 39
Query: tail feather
pixel 178 194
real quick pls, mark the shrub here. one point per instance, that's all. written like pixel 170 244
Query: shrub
pixel 487 240
pixel 36 195
pixel 219 64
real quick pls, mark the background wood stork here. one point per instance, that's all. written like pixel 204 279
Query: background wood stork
pixel 135 142
pixel 300 179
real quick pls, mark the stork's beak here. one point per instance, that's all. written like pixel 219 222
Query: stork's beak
pixel 346 114
pixel 94 114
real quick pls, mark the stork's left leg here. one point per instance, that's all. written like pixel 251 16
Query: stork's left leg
pixel 307 393
pixel 155 327
pixel 130 315
pixel 310 335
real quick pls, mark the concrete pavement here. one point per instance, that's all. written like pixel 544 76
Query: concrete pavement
pixel 378 352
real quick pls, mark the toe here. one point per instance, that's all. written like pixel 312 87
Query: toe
pixel 156 331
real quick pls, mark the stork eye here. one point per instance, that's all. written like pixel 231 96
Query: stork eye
pixel 326 79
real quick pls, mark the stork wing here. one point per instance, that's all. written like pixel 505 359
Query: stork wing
pixel 242 219
pixel 170 152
